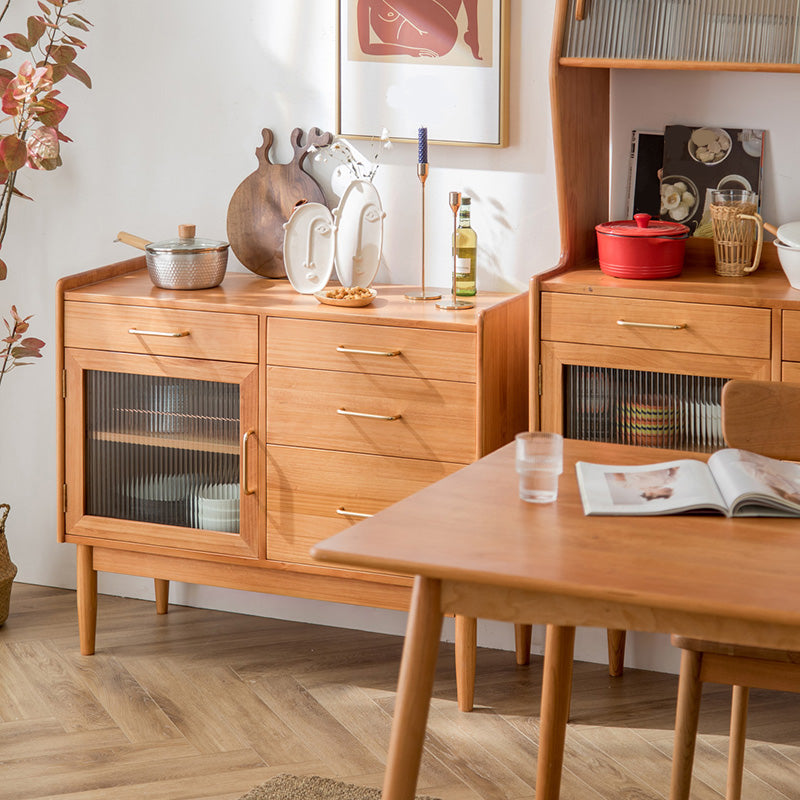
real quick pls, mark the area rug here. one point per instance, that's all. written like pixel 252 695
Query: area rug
pixel 292 787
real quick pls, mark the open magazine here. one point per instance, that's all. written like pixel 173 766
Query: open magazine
pixel 736 483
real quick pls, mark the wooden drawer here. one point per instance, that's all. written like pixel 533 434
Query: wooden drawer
pixel 790 371
pixel 790 335
pixel 408 352
pixel 435 419
pixel 306 487
pixel 711 329
pixel 221 337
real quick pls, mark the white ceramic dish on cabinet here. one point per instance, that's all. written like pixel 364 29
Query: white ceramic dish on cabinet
pixel 359 234
pixel 309 247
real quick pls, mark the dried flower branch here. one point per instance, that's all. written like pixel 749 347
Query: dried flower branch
pixel 29 99
pixel 17 348
pixel 343 151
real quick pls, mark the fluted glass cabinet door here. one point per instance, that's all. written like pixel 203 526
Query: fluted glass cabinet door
pixel 168 449
pixel 712 31
pixel 653 409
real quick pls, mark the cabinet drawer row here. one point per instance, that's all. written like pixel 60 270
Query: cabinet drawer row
pixel 375 349
pixel 657 325
pixel 314 494
pixel 383 415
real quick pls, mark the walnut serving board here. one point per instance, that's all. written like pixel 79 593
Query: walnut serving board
pixel 264 201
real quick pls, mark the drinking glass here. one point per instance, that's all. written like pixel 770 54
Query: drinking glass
pixel 539 463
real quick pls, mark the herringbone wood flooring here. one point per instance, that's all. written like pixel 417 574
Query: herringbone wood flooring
pixel 205 704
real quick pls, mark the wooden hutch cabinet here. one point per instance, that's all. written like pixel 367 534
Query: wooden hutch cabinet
pixel 214 436
pixel 644 361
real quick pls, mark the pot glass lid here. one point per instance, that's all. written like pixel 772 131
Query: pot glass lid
pixel 186 242
pixel 642 225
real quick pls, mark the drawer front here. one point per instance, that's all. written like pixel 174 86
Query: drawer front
pixel 790 345
pixel 412 418
pixel 314 494
pixel 354 347
pixel 790 372
pixel 190 334
pixel 680 327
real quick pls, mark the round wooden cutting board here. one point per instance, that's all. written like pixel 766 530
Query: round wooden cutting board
pixel 264 201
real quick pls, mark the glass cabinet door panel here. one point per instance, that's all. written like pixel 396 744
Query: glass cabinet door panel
pixel 727 31
pixel 162 450
pixel 680 412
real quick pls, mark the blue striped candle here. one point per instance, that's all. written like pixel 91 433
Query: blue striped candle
pixel 422 145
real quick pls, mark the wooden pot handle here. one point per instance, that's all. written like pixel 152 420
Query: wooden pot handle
pixel 133 241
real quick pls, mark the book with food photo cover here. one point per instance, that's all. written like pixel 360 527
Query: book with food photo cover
pixel 736 483
pixel 698 159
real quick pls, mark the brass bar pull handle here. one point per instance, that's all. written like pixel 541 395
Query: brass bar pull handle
pixel 158 333
pixel 347 413
pixel 389 353
pixel 245 477
pixel 343 512
pixel 651 325
pixel 580 10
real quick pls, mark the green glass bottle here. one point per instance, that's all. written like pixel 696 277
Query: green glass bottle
pixel 466 251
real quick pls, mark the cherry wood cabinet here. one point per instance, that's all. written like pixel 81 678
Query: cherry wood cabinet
pixel 644 361
pixel 311 416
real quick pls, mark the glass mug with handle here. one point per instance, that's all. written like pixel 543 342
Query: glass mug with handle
pixel 738 231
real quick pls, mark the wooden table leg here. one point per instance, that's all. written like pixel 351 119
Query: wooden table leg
pixel 556 694
pixel 690 689
pixel 162 595
pixel 414 689
pixel 87 599
pixel 466 648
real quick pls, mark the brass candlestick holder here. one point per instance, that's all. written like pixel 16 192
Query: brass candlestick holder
pixel 422 174
pixel 455 304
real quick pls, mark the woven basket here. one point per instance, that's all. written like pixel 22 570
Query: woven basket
pixel 736 228
pixel 7 568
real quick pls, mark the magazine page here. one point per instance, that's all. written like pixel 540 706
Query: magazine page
pixel 671 487
pixel 753 484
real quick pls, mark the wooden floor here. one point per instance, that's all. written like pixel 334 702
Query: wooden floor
pixel 204 704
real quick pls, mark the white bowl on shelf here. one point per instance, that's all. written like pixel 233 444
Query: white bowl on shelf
pixel 790 262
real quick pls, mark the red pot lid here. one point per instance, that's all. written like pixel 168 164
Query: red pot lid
pixel 642 226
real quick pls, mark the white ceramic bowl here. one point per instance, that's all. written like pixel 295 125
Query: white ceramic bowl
pixel 790 261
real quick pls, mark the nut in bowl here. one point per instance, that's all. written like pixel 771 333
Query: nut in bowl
pixel 349 296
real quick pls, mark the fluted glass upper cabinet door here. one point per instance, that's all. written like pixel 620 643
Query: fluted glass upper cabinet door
pixel 750 33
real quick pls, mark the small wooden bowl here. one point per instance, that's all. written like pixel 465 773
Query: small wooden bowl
pixel 348 302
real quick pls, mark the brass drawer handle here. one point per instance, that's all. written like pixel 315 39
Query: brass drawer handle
pixel 389 353
pixel 245 479
pixel 347 413
pixel 580 10
pixel 343 512
pixel 651 325
pixel 157 333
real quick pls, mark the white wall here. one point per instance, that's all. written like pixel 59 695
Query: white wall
pixel 182 89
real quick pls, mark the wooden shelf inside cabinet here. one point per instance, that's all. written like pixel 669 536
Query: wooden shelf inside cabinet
pixel 174 442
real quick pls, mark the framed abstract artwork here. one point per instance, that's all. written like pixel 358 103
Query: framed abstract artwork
pixel 439 64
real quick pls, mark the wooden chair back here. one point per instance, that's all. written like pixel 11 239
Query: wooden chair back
pixel 762 416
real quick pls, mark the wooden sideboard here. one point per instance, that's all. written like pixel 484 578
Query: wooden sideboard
pixel 318 415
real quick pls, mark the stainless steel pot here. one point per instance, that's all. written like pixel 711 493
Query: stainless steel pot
pixel 183 263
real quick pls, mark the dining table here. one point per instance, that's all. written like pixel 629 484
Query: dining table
pixel 476 549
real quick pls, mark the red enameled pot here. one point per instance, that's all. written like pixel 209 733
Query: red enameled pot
pixel 641 247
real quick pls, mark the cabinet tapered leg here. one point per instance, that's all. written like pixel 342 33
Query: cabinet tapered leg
pixel 616 652
pixel 162 595
pixel 87 599
pixel 466 647
pixel 522 641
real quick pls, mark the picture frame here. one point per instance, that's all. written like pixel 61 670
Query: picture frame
pixel 438 64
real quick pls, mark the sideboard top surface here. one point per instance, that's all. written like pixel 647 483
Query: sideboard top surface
pixel 247 293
